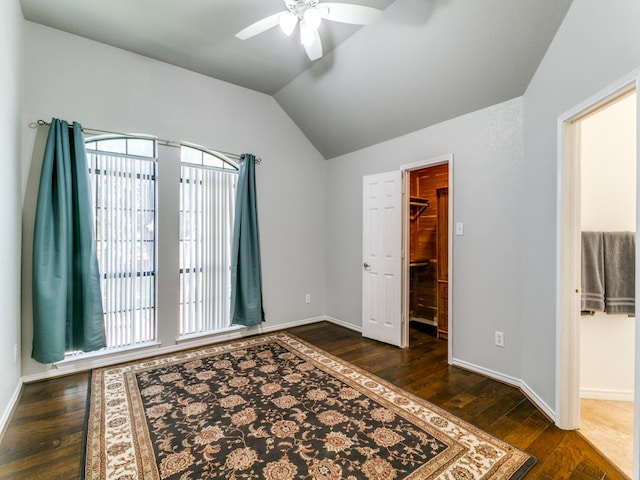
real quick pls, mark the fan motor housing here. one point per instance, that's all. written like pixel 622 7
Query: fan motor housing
pixel 298 7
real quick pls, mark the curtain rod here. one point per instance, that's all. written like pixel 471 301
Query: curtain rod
pixel 168 143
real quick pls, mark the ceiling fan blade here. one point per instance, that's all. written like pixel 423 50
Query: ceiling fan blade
pixel 347 13
pixel 260 26
pixel 314 49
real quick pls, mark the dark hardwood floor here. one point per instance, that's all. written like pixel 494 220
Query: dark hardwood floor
pixel 44 437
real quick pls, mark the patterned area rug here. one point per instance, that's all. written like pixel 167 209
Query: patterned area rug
pixel 274 407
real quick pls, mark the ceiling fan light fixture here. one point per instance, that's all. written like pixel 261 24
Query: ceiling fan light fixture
pixel 312 18
pixel 309 13
pixel 288 22
pixel 307 34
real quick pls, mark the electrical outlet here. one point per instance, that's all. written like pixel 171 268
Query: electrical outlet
pixel 307 298
pixel 499 339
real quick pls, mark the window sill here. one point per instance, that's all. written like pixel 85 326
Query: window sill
pixel 102 358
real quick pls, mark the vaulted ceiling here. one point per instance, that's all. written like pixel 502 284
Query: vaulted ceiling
pixel 426 61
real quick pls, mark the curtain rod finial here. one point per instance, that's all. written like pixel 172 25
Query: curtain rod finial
pixel 256 160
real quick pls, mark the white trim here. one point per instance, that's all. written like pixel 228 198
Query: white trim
pixel 606 394
pixel 567 286
pixel 342 323
pixel 432 162
pixel 538 401
pixel 283 326
pixel 594 100
pixel 486 372
pixel 407 167
pixel 567 258
pixel 8 412
pixel 95 363
pixel 115 352
pixel 104 361
pixel 207 335
pixel 450 260
pixel 509 380
pixel 635 473
pixel 405 274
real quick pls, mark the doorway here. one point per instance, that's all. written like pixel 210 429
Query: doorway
pixel 597 339
pixel 607 157
pixel 427 243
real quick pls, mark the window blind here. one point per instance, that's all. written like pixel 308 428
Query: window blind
pixel 124 196
pixel 207 197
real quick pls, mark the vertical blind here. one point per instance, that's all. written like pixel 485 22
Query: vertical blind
pixel 124 196
pixel 123 180
pixel 207 197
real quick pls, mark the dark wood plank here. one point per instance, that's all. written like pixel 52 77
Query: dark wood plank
pixel 500 409
pixel 44 437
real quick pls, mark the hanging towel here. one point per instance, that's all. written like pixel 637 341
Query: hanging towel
pixel 592 278
pixel 620 272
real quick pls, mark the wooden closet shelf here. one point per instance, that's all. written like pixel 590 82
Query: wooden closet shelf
pixel 418 201
pixel 418 206
pixel 422 263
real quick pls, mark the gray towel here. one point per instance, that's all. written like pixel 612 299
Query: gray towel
pixel 592 278
pixel 620 272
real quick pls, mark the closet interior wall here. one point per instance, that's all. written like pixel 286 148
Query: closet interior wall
pixel 428 247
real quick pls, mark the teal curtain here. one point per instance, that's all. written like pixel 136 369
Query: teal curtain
pixel 246 272
pixel 67 302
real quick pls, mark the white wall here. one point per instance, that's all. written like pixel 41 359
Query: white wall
pixel 504 265
pixel 102 87
pixel 595 45
pixel 487 149
pixel 608 203
pixel 10 204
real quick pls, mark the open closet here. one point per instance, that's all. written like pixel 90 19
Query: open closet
pixel 428 247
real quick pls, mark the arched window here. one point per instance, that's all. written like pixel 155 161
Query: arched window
pixel 207 200
pixel 122 171
pixel 200 156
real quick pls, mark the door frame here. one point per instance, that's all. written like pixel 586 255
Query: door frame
pixel 568 255
pixel 431 162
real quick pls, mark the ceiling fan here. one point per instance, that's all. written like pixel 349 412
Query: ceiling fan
pixel 309 13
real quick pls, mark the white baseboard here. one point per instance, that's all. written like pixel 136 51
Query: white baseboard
pixel 6 415
pixel 605 394
pixel 103 361
pixel 509 380
pixel 342 323
pixel 70 366
pixel 501 377
pixel 538 402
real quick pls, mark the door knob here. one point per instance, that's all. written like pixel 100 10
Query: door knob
pixel 366 265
